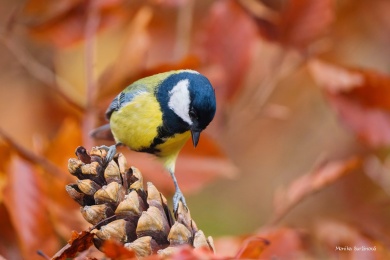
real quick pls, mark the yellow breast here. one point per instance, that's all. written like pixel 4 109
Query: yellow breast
pixel 136 126
pixel 169 150
pixel 136 123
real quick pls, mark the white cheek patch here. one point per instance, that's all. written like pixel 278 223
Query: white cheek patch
pixel 179 101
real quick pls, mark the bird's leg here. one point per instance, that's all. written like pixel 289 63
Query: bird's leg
pixel 178 196
pixel 111 151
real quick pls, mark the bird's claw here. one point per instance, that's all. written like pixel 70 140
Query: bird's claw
pixel 176 198
pixel 111 151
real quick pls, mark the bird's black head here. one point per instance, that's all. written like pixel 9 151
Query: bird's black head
pixel 187 101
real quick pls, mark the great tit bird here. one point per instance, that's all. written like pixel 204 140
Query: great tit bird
pixel 158 114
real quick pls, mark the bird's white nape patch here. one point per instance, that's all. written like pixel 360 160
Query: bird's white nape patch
pixel 179 100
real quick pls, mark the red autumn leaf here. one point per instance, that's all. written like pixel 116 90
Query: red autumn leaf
pixel 8 240
pixel 298 22
pixel 253 248
pixel 370 125
pixel 131 57
pixel 63 144
pixel 5 155
pixel 375 94
pixel 187 252
pixel 334 79
pixel 284 243
pixel 47 9
pixel 55 178
pixel 227 43
pixel 377 171
pixel 63 22
pixel 26 205
pixel 264 16
pixel 368 88
pixel 79 242
pixel 117 251
pixel 170 3
pixel 361 97
pixel 341 240
pixel 303 21
pixel 310 183
pixel 59 150
pixel 228 246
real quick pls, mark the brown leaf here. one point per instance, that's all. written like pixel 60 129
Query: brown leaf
pixel 79 242
pixel 54 178
pixel 187 252
pixel 286 199
pixel 58 151
pixel 131 56
pixel 372 126
pixel 28 155
pixel 341 240
pixel 252 248
pixel 8 240
pixel 227 40
pixel 63 144
pixel 170 3
pixel 378 171
pixel 46 9
pixel 25 203
pixel 334 79
pixel 367 88
pixel 361 97
pixel 284 243
pixel 117 251
pixel 303 21
pixel 5 155
pixel 298 22
pixel 376 91
pixel 229 246
pixel 63 22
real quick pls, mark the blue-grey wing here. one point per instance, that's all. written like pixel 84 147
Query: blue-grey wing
pixel 123 98
pixel 115 104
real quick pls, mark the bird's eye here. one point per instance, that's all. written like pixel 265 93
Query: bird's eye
pixel 193 114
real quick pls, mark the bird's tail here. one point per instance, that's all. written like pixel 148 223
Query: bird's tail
pixel 103 132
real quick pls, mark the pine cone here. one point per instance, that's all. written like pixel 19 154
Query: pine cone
pixel 113 199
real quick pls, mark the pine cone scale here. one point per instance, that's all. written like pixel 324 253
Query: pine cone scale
pixel 113 199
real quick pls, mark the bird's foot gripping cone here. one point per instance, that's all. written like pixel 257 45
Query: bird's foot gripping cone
pixel 178 197
pixel 113 199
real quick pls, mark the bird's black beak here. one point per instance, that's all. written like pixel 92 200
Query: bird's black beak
pixel 195 137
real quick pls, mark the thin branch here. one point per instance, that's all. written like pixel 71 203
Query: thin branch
pixel 91 28
pixel 47 165
pixel 37 70
pixel 253 98
pixel 183 29
pixel 319 178
pixel 252 102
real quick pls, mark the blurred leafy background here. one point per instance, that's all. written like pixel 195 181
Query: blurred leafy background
pixel 298 151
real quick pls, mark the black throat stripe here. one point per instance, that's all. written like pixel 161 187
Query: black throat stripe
pixel 162 136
